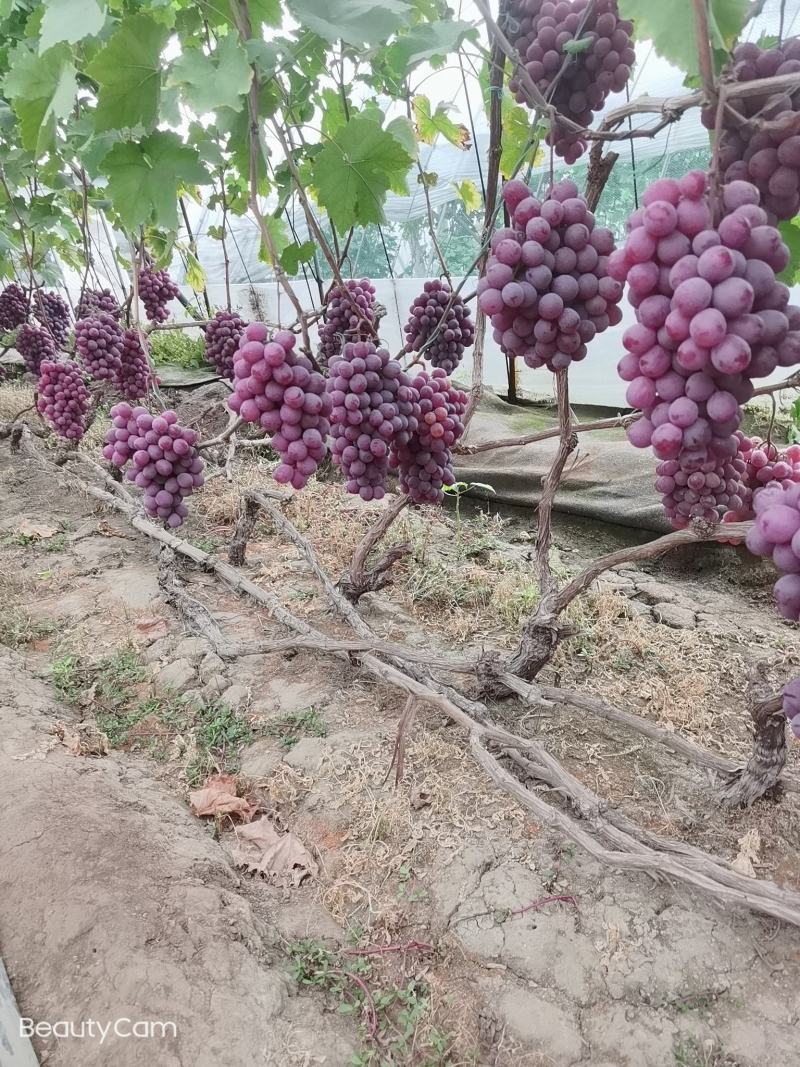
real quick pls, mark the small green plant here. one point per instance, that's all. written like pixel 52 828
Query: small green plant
pixel 794 422
pixel 176 349
pixel 290 728
pixel 457 490
pixel 69 676
pixel 18 629
pixel 220 734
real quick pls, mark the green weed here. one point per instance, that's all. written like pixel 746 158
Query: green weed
pixel 290 728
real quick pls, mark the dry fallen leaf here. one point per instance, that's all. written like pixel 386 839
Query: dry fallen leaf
pixel 152 626
pixel 282 858
pixel 218 797
pixel 748 856
pixel 36 530
pixel 81 739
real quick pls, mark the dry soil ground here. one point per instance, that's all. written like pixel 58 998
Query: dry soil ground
pixel 116 901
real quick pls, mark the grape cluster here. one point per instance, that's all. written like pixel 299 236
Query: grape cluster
pixel 93 301
pixel 710 317
pixel 134 375
pixel 99 343
pixel 373 409
pixel 164 459
pixel 284 394
pixel 692 491
pixel 156 289
pixel 13 307
pixel 765 149
pixel 764 463
pixel 776 533
pixel 451 324
pixel 423 456
pixel 576 84
pixel 63 398
pixel 34 345
pixel 546 286
pixel 791 705
pixel 348 315
pixel 222 336
pixel 53 313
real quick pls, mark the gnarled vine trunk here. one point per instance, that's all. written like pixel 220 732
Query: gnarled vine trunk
pixel 768 756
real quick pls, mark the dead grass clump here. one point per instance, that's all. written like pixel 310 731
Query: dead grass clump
pixel 14 396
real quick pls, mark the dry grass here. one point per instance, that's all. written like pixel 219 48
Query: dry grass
pixel 14 397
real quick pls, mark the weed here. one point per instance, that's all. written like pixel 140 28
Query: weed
pixel 290 728
pixel 57 542
pixel 692 1053
pixel 18 629
pixel 69 676
pixel 220 734
pixel 175 348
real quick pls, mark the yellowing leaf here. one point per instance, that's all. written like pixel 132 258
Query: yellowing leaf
pixel 429 124
pixel 195 275
pixel 468 194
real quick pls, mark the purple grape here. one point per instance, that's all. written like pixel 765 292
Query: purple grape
pixel 222 336
pixel 134 375
pixel 99 343
pixel 63 399
pixel 93 301
pixel 53 313
pixel 156 289
pixel 35 344
pixel 13 307
pixel 348 315
pixel 451 326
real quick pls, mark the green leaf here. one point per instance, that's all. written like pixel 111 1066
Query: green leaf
pixel 333 113
pixel 516 143
pixel 468 194
pixel 402 129
pixel 790 232
pixel 211 82
pixel 42 90
pixel 195 275
pixel 71 21
pixel 143 178
pixel 354 21
pixel 264 56
pixel 429 126
pixel 574 48
pixel 427 178
pixel 293 255
pixel 430 41
pixel 128 71
pixel 280 238
pixel 353 173
pixel 671 27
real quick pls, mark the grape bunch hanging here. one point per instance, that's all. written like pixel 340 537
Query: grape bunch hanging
pixel 13 307
pixel 374 408
pixel 99 343
pixel 348 315
pixel 577 82
pixel 282 392
pixel 711 316
pixel 444 319
pixel 35 345
pixel 159 455
pixel 53 313
pixel 222 336
pixel 546 287
pixel 760 135
pixel 93 301
pixel 134 375
pixel 156 289
pixel 63 399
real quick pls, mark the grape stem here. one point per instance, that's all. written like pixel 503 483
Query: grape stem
pixel 606 835
pixel 358 580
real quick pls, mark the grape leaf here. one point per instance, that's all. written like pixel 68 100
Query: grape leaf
pixel 468 194
pixel 352 174
pixel 71 21
pixel 428 41
pixel 266 11
pixel 128 71
pixel 42 90
pixel 195 275
pixel 516 139
pixel 333 112
pixel 671 27
pixel 211 82
pixel 574 48
pixel 280 239
pixel 790 232
pixel 402 129
pixel 293 255
pixel 353 21
pixel 429 125
pixel 143 178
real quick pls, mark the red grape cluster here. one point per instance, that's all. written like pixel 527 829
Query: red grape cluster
pixel 165 462
pixel 99 342
pixel 63 398
pixel 53 313
pixel 156 289
pixel 283 393
pixel 348 316
pixel 13 307
pixel 576 84
pixel 374 408
pixel 791 705
pixel 710 317
pixel 436 312
pixel 222 336
pixel 34 345
pixel 134 374
pixel 93 301
pixel 764 463
pixel 776 533
pixel 424 460
pixel 546 286
pixel 688 492
pixel 765 148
